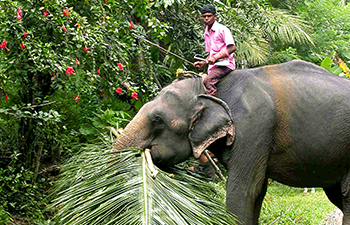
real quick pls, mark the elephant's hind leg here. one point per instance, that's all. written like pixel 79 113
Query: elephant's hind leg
pixel 334 195
pixel 345 191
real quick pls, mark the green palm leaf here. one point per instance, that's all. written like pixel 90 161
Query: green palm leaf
pixel 286 27
pixel 253 50
pixel 104 187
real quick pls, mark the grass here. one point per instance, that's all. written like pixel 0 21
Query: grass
pixel 289 205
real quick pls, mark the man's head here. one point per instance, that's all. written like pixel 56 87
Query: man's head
pixel 208 14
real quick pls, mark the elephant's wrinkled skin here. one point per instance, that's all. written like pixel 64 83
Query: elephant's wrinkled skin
pixel 291 124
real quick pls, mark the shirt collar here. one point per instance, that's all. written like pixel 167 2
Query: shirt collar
pixel 213 28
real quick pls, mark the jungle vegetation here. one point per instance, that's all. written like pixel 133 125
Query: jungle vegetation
pixel 72 70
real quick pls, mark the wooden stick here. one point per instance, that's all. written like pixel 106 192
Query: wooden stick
pixel 163 49
pixel 217 169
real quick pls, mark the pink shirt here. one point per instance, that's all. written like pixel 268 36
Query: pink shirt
pixel 217 38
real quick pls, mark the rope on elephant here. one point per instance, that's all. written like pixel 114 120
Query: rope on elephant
pixel 180 73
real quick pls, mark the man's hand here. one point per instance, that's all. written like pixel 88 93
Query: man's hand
pixel 211 60
pixel 199 64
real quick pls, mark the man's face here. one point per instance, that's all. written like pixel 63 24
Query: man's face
pixel 208 18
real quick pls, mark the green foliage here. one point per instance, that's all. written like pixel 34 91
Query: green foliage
pixel 330 29
pixel 104 187
pixel 104 120
pixel 19 195
pixel 41 103
pixel 283 56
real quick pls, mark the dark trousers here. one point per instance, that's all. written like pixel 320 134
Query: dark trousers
pixel 213 77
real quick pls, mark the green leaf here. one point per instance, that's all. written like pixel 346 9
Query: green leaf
pixel 104 187
pixel 336 70
pixel 327 63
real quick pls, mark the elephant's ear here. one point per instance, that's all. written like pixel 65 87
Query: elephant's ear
pixel 212 120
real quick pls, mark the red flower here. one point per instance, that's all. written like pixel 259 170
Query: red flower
pixel 134 96
pixel 46 13
pixel 77 61
pixel 7 97
pixel 120 66
pixel 25 34
pixel 3 45
pixel 19 17
pixel 22 46
pixel 98 72
pixel 65 12
pixel 70 70
pixel 103 92
pixel 119 90
pixel 86 48
pixel 19 12
pixel 64 28
pixel 53 74
pixel 130 26
pixel 77 98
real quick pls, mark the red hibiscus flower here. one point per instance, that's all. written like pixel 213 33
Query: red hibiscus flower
pixel 64 28
pixel 25 34
pixel 98 72
pixel 19 17
pixel 119 90
pixel 53 74
pixel 120 66
pixel 103 92
pixel 70 70
pixel 134 96
pixel 7 97
pixel 3 45
pixel 130 26
pixel 77 98
pixel 22 46
pixel 86 48
pixel 46 13
pixel 77 61
pixel 65 12
pixel 19 12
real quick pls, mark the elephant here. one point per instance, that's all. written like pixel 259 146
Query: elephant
pixel 288 122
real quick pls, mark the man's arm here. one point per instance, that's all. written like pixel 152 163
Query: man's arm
pixel 231 48
pixel 225 52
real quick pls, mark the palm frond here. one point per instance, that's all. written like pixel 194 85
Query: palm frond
pixel 253 50
pixel 104 187
pixel 286 28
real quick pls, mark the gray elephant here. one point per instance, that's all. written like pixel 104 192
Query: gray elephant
pixel 289 122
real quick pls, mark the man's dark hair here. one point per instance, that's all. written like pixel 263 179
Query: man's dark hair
pixel 208 9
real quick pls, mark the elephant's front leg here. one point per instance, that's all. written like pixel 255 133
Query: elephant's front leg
pixel 246 187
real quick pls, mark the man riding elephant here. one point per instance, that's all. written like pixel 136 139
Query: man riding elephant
pixel 289 122
pixel 220 45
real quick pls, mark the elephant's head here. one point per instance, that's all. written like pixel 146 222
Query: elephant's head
pixel 181 121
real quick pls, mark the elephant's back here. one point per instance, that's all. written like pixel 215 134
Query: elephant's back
pixel 304 107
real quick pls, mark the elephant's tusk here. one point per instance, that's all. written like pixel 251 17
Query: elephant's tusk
pixel 154 172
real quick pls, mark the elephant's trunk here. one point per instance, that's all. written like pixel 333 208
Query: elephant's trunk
pixel 134 134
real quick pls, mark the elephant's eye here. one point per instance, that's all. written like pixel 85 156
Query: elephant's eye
pixel 157 120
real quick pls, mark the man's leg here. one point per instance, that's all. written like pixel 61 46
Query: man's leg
pixel 214 77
